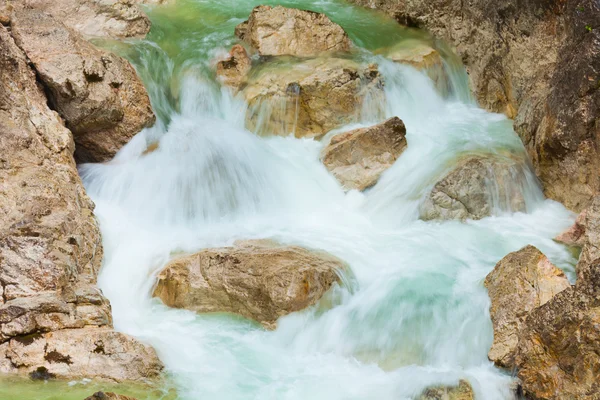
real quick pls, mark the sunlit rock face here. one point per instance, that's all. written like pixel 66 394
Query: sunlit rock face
pixel 260 280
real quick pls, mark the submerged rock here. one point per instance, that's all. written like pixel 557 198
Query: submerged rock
pixel 520 282
pixel 463 391
pixel 258 279
pixel 233 71
pixel 474 188
pixel 309 98
pixel 358 158
pixel 98 353
pixel 108 396
pixel 99 95
pixel 278 31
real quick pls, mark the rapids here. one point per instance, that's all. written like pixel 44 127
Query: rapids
pixel 414 311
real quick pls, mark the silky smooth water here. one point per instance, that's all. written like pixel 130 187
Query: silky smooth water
pixel 412 313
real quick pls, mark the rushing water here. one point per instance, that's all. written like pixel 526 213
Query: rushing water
pixel 415 313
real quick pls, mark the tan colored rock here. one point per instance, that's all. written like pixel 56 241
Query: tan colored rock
pixel 98 353
pixel 233 71
pixel 108 396
pixel 474 188
pixel 278 31
pixel 519 283
pixel 258 279
pixel 358 158
pixel 463 391
pixel 98 94
pixel 309 98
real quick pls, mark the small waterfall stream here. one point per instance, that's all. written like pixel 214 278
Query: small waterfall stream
pixel 414 312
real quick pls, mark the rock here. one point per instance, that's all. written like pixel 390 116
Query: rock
pixel 519 283
pixel 461 392
pixel 558 354
pixel 98 353
pixel 537 62
pixel 96 18
pixel 575 235
pixel 98 94
pixel 278 31
pixel 50 244
pixel 358 158
pixel 308 98
pixel 233 71
pixel 108 396
pixel 257 279
pixel 474 188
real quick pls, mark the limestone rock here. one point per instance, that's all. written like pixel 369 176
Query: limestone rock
pixel 461 392
pixel 99 353
pixel 257 279
pixel 308 98
pixel 519 283
pixel 108 396
pixel 233 71
pixel 537 62
pixel 474 188
pixel 558 354
pixel 358 158
pixel 277 31
pixel 98 94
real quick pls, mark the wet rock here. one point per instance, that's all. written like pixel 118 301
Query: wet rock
pixel 358 158
pixel 233 70
pixel 461 392
pixel 98 94
pixel 309 98
pixel 474 188
pixel 108 396
pixel 537 62
pixel 519 283
pixel 277 31
pixel 97 353
pixel 258 279
pixel 558 354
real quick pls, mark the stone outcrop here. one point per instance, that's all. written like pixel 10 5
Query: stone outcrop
pixel 98 94
pixel 99 353
pixel 234 69
pixel 257 279
pixel 108 396
pixel 278 31
pixel 50 245
pixel 358 158
pixel 537 62
pixel 475 188
pixel 463 391
pixel 520 282
pixel 309 98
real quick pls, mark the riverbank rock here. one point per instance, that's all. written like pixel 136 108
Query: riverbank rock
pixel 463 391
pixel 96 353
pixel 520 282
pixel 278 31
pixel 474 188
pixel 99 95
pixel 108 396
pixel 50 244
pixel 537 62
pixel 558 356
pixel 358 158
pixel 257 279
pixel 309 98
pixel 233 71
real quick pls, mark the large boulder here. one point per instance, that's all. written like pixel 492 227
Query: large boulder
pixel 463 391
pixel 98 353
pixel 358 158
pixel 309 98
pixel 278 31
pixel 99 95
pixel 50 244
pixel 537 62
pixel 521 281
pixel 475 188
pixel 257 279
